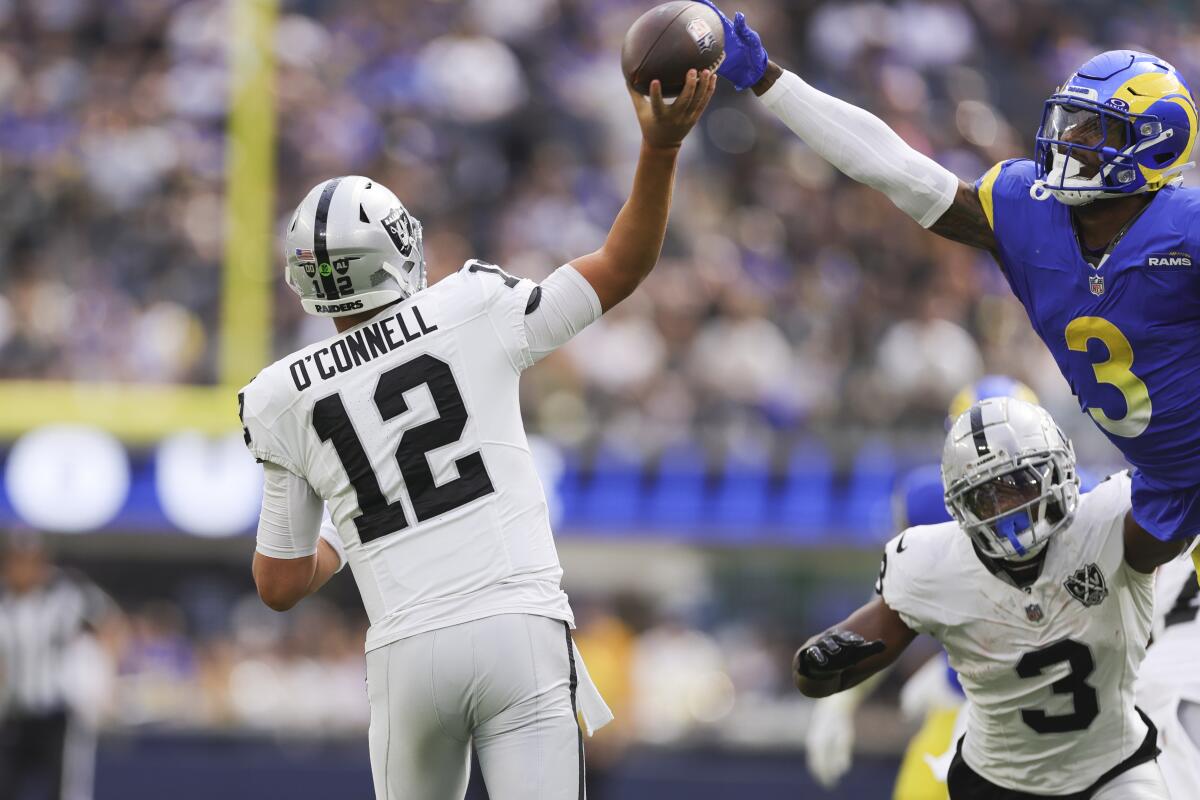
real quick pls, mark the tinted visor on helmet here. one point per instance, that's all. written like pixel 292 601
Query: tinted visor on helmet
pixel 1088 127
pixel 1004 494
pixel 1009 504
pixel 1089 136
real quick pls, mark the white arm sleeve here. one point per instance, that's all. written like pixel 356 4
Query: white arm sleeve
pixel 568 304
pixel 329 533
pixel 290 520
pixel 863 147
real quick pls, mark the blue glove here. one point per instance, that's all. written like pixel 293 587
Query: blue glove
pixel 745 57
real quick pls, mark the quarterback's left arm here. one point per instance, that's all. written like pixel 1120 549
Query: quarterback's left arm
pixel 296 553
pixel 1144 552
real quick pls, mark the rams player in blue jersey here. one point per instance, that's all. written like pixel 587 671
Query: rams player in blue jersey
pixel 1094 234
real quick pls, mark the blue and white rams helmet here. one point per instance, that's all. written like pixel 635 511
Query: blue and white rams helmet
pixel 1009 475
pixel 1124 123
pixel 352 246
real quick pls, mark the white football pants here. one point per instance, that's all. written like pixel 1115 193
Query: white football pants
pixel 1143 782
pixel 1168 690
pixel 506 683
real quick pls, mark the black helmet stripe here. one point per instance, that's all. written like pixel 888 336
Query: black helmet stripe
pixel 981 442
pixel 320 245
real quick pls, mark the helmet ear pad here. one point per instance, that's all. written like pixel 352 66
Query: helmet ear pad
pixel 1172 113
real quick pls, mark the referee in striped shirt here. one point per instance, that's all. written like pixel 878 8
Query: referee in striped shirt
pixel 48 621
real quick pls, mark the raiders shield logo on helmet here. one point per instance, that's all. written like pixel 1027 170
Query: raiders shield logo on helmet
pixel 1087 585
pixel 399 227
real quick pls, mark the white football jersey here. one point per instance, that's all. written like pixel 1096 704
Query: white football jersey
pixel 1171 674
pixel 1048 671
pixel 409 427
pixel 1177 605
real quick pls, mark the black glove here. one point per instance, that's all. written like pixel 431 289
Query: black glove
pixel 833 652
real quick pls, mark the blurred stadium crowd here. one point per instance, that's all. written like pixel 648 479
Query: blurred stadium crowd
pixel 789 299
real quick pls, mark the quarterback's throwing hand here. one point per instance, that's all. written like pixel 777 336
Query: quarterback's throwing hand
pixel 834 652
pixel 745 57
pixel 665 126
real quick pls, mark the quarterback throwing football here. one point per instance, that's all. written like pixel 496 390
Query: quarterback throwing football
pixel 407 425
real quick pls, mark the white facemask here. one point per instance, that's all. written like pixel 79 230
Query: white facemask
pixel 1065 171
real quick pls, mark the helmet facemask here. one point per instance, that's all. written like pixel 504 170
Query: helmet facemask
pixel 1012 512
pixel 1083 151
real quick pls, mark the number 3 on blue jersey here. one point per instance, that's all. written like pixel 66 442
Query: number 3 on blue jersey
pixel 1116 371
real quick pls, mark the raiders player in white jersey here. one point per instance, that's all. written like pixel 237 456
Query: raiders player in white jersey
pixel 407 426
pixel 1168 685
pixel 1042 599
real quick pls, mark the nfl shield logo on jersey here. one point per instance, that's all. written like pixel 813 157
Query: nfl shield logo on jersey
pixel 1096 283
pixel 1034 612
pixel 1087 585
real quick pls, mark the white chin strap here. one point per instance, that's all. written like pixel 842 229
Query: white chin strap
pixel 1085 190
pixel 405 283
pixel 1081 191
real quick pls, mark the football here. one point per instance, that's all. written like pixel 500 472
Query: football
pixel 667 41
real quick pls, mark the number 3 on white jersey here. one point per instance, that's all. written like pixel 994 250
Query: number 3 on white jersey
pixel 1116 371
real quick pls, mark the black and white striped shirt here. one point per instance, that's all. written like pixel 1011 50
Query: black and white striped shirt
pixel 37 629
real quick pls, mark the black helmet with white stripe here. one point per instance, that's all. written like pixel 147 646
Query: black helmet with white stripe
pixel 1009 475
pixel 352 246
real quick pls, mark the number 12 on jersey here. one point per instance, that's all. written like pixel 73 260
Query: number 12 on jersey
pixel 380 517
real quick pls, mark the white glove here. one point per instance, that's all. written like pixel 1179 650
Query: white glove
pixel 929 689
pixel 329 533
pixel 829 744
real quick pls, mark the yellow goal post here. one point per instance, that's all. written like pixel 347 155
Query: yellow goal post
pixel 145 413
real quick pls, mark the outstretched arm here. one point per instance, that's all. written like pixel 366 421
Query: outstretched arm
pixel 864 148
pixel 868 641
pixel 635 240
pixel 855 141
